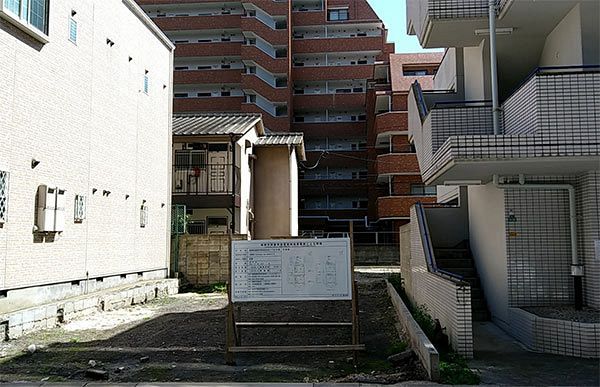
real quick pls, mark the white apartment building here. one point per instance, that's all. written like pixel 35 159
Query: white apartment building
pixel 85 145
pixel 520 239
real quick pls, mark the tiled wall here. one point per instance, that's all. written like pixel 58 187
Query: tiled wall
pixel 446 301
pixel 538 241
pixel 555 336
pixel 552 104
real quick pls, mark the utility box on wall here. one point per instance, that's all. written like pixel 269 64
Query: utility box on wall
pixel 50 209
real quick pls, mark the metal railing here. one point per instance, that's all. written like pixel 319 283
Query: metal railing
pixel 206 179
pixel 425 237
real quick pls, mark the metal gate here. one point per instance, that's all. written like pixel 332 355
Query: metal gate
pixel 178 227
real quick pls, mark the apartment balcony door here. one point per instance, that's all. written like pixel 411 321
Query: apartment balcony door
pixel 218 181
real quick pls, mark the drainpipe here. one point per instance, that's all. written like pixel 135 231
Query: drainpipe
pixel 576 265
pixel 233 183
pixel 494 67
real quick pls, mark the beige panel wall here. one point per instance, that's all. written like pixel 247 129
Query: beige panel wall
pixel 272 192
pixel 80 110
pixel 487 236
pixel 563 44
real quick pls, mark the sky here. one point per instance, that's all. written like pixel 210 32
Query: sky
pixel 393 14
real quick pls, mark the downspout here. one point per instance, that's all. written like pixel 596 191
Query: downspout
pixel 233 183
pixel 494 67
pixel 576 265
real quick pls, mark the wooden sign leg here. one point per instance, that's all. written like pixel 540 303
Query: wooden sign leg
pixel 355 334
pixel 230 325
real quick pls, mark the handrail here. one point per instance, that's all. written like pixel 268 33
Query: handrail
pixel 420 100
pixel 428 248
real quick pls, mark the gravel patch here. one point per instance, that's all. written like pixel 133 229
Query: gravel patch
pixel 568 313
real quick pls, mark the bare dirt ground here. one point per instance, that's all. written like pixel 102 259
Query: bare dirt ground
pixel 182 338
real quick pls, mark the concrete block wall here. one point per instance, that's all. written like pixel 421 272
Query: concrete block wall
pixel 18 323
pixel 80 109
pixel 446 301
pixel 204 259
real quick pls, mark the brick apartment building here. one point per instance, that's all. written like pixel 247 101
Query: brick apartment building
pixel 394 179
pixel 305 66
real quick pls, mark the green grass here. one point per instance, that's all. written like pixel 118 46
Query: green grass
pixel 453 367
pixel 219 287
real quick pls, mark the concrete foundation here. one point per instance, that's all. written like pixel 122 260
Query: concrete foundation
pixel 17 323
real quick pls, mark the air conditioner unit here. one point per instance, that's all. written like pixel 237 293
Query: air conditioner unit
pixel 46 208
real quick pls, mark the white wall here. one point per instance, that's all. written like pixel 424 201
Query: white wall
pixel 563 44
pixel 294 193
pixel 474 71
pixel 487 236
pixel 80 110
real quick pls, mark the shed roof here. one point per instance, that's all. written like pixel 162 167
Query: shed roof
pixel 216 124
pixel 279 139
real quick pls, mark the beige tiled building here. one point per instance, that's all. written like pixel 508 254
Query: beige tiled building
pixel 85 144
pixel 522 233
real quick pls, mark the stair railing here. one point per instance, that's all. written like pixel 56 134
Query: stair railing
pixel 428 248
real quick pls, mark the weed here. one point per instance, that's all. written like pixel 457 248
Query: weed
pixel 454 370
pixel 397 347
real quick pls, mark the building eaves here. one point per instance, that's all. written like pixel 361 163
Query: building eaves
pixel 279 139
pixel 215 124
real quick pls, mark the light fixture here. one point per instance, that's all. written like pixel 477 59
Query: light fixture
pixel 499 31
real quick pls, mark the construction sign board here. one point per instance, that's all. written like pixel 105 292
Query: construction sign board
pixel 291 270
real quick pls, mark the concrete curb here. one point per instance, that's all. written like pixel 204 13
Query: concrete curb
pixel 429 356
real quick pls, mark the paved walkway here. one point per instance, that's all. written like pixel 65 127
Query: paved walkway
pixel 502 360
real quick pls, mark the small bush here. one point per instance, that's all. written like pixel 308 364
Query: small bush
pixel 454 370
pixel 422 317
pixel 397 347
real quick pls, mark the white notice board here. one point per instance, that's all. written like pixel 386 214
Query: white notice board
pixel 291 270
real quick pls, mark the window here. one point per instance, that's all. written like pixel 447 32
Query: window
pixel 337 14
pixel 80 209
pixel 414 72
pixel 146 82
pixel 3 196
pixel 422 190
pixel 31 13
pixel 73 30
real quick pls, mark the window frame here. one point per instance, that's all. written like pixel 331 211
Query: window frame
pixel 24 24
pixel 338 11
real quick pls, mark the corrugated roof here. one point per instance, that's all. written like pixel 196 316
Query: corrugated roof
pixel 277 139
pixel 215 124
pixel 281 139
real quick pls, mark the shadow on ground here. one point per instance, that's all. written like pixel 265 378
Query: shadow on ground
pixel 189 346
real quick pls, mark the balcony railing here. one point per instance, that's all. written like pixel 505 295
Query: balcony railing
pixel 553 113
pixel 206 179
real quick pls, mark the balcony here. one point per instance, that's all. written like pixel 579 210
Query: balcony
pixel 273 65
pixel 274 124
pixel 335 213
pixel 338 44
pixel 338 159
pixel 398 207
pixel 440 23
pixel 548 124
pixel 333 129
pixel 320 187
pixel 273 94
pixel 272 36
pixel 273 8
pixel 330 101
pixel 210 104
pixel 396 164
pixel 206 185
pixel 323 73
pixel 207 76
pixel 391 123
pixel 189 23
pixel 208 49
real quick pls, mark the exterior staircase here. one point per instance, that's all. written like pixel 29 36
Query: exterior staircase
pixel 459 260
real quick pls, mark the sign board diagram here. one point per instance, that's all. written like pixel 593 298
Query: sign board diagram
pixel 291 270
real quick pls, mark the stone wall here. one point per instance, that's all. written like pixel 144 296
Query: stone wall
pixel 204 259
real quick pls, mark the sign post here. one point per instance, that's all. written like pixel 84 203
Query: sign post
pixel 290 270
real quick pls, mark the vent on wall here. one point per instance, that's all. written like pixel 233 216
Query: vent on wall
pixel 4 176
pixel 80 208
